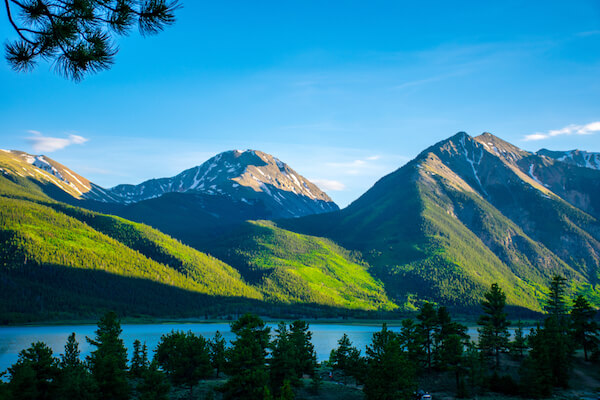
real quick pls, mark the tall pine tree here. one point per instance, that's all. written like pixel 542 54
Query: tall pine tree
pixel 583 327
pixel 493 334
pixel 108 362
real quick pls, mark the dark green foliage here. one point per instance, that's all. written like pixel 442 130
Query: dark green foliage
pixel 154 384
pixel 139 360
pixel 347 359
pixel 246 360
pixel 519 343
pixel 34 375
pixel 389 374
pixel 447 334
pixel 411 341
pixel 305 358
pixel 476 368
pixel 108 362
pixel 536 370
pixel 286 391
pixel 75 380
pixel 316 383
pixel 427 321
pixel 185 358
pixel 77 35
pixel 556 305
pixel 493 334
pixel 282 361
pixel 583 327
pixel 218 352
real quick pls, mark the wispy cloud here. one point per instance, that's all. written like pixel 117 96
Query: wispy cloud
pixel 329 185
pixel 572 129
pixel 47 144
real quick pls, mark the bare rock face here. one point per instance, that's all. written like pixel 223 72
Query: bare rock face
pixel 249 176
pixel 248 180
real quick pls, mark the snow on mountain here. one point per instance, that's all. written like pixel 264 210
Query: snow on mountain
pixel 250 176
pixel 579 158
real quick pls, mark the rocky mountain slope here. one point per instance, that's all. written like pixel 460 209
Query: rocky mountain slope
pixel 471 211
pixel 233 186
pixel 58 261
pixel 578 158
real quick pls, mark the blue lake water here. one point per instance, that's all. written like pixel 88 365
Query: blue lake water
pixel 15 339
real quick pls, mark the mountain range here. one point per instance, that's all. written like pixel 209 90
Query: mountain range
pixel 247 229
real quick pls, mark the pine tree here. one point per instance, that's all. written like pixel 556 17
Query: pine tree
pixel 428 320
pixel 519 343
pixel 34 375
pixel 75 380
pixel 154 384
pixel 305 357
pixel 217 352
pixel 412 342
pixel 184 357
pixel 108 362
pixel 77 35
pixel 283 360
pixel 246 360
pixel 390 375
pixel 346 358
pixel 583 327
pixel 494 335
pixel 137 363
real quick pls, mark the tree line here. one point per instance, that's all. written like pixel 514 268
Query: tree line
pixel 260 364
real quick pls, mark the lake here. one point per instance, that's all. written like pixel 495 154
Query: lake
pixel 15 339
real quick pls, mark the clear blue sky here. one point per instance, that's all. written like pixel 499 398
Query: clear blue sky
pixel 343 91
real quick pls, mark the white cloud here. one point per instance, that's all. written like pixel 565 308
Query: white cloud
pixel 572 129
pixel 47 144
pixel 329 185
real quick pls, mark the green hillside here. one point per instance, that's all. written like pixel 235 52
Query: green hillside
pixel 43 244
pixel 289 267
pixel 432 230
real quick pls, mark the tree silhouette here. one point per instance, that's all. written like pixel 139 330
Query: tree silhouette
pixel 76 35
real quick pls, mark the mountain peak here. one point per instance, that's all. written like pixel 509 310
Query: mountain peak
pixel 501 148
pixel 575 157
pixel 249 176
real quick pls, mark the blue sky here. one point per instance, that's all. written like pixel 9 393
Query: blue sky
pixel 343 91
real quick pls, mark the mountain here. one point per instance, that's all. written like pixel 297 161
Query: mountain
pixel 59 261
pixel 468 212
pixel 228 189
pixel 46 171
pixel 578 158
pixel 250 176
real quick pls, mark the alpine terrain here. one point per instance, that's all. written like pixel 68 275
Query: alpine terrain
pixel 465 213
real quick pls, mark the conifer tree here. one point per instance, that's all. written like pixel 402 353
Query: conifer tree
pixel 77 35
pixel 137 360
pixel 217 352
pixel 428 320
pixel 246 360
pixel 412 342
pixel 583 327
pixel 282 361
pixel 305 357
pixel 519 343
pixel 184 357
pixel 108 362
pixel 347 359
pixel 74 380
pixel 154 384
pixel 34 375
pixel 390 375
pixel 493 334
